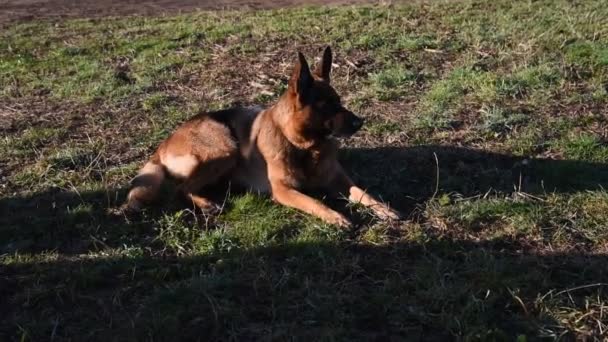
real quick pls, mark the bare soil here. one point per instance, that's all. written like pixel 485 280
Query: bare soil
pixel 21 10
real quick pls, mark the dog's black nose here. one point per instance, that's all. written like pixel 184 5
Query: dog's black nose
pixel 357 123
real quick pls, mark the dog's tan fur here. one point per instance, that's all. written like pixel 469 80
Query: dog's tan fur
pixel 282 150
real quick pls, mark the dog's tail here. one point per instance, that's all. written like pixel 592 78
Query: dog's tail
pixel 146 185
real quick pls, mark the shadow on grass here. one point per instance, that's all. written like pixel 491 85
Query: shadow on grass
pixel 74 223
pixel 61 221
pixel 408 176
pixel 436 290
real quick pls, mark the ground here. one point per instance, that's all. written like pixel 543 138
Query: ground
pixel 20 10
pixel 486 125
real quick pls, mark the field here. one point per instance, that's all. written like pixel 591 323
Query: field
pixel 486 125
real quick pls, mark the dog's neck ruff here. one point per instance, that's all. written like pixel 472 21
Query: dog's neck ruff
pixel 281 114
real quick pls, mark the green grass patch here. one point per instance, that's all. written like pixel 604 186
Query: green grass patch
pixel 443 101
pixel 498 120
pixel 485 126
pixel 390 83
pixel 585 147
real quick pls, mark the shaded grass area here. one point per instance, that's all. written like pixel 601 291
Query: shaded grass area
pixel 485 126
pixel 435 290
pixel 470 267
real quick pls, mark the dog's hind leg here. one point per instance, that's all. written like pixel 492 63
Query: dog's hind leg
pixel 207 173
pixel 145 186
pixel 199 155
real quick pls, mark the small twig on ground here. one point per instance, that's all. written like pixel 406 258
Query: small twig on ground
pixel 436 177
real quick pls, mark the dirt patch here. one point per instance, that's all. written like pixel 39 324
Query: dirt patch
pixel 21 10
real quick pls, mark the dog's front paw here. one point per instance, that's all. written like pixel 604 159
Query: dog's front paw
pixel 211 209
pixel 340 220
pixel 387 213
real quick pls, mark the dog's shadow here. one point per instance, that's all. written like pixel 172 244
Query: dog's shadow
pixel 405 177
pixel 70 222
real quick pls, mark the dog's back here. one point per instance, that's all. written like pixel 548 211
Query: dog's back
pixel 238 119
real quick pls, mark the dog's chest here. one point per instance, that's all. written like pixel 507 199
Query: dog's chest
pixel 311 168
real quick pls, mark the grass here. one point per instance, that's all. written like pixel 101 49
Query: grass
pixel 391 82
pixel 504 101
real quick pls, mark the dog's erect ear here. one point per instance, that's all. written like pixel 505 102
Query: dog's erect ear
pixel 324 68
pixel 301 78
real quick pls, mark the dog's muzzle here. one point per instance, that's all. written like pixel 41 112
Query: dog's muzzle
pixel 346 124
pixel 353 124
pixel 357 123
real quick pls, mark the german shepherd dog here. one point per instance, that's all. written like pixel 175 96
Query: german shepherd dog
pixel 283 150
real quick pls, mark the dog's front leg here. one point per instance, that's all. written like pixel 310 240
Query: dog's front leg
pixel 343 185
pixel 293 198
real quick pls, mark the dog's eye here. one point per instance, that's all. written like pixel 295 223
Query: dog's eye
pixel 328 107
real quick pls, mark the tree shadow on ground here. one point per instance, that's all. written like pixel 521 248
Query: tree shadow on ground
pixel 73 223
pixel 433 289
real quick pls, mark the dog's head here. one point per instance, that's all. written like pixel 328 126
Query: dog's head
pixel 317 107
